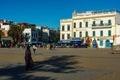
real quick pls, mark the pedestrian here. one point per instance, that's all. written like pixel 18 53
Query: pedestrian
pixel 28 59
pixel 48 46
pixel 51 46
pixel 34 49
pixel 54 46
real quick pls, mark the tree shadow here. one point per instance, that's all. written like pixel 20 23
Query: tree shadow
pixel 57 64
pixel 18 73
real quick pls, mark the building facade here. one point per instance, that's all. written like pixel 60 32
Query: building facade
pixel 100 27
pixel 31 35
pixel 5 26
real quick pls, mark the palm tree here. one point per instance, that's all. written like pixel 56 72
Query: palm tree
pixel 15 32
pixel 57 37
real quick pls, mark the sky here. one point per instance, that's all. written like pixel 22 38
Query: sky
pixel 49 12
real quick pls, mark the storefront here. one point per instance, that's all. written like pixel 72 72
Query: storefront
pixel 6 42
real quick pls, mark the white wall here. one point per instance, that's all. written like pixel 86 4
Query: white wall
pixel 27 30
pixel 118 35
pixel 118 18
pixel 6 27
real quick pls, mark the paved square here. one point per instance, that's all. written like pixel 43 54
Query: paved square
pixel 60 64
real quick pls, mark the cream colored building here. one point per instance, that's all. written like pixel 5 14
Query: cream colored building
pixel 102 27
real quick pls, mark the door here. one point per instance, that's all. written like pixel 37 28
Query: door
pixel 107 44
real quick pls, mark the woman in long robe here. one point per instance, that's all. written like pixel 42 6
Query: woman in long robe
pixel 28 59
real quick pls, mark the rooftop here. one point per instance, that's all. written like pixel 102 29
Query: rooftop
pixel 90 13
pixel 100 11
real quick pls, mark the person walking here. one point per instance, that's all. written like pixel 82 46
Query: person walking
pixel 34 49
pixel 28 59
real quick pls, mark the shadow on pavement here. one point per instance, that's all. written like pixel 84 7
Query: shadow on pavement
pixel 18 73
pixel 56 64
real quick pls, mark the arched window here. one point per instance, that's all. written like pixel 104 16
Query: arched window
pixel 101 23
pixel 86 24
pixel 93 33
pixel 68 27
pixel 74 25
pixel 68 36
pixel 63 28
pixel 74 34
pixel 94 24
pixel 63 36
pixel 101 33
pixel 80 24
pixel 80 34
pixel 109 22
pixel 86 34
pixel 109 32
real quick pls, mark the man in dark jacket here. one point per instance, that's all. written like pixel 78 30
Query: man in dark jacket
pixel 28 59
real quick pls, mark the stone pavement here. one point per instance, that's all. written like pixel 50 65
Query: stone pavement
pixel 60 64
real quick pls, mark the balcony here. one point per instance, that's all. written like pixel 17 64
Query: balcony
pixel 99 26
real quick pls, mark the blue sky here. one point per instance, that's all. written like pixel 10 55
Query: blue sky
pixel 49 12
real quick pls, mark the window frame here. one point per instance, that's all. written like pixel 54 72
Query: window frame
pixel 63 28
pixel 63 36
pixel 109 32
pixel 86 33
pixel 86 24
pixel 80 24
pixel 68 36
pixel 74 25
pixel 80 34
pixel 94 34
pixel 101 33
pixel 74 34
pixel 68 27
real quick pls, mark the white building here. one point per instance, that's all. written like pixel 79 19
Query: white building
pixel 4 27
pixel 44 33
pixel 100 26
pixel 31 35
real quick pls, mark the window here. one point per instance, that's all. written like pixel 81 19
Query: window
pixel 74 25
pixel 74 34
pixel 86 24
pixel 68 36
pixel 94 24
pixel 101 33
pixel 86 34
pixel 63 36
pixel 80 34
pixel 80 24
pixel 63 28
pixel 109 22
pixel 109 32
pixel 68 27
pixel 101 23
pixel 93 33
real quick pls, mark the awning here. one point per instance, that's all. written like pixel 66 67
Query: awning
pixel 27 42
pixel 76 39
pixel 6 38
pixel 63 41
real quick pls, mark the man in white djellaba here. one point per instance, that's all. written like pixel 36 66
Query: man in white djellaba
pixel 34 49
